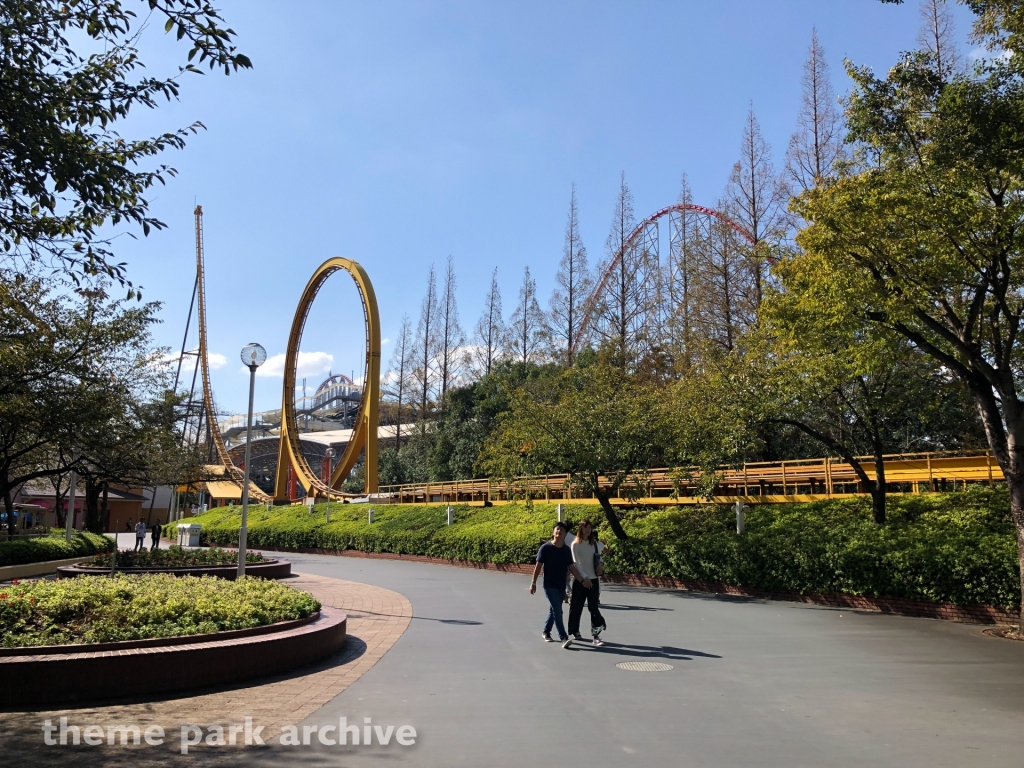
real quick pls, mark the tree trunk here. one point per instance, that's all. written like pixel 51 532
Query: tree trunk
pixel 878 491
pixel 1015 484
pixel 610 516
pixel 92 510
pixel 104 511
pixel 12 527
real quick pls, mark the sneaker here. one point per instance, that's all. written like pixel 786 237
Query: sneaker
pixel 547 637
pixel 598 642
pixel 567 642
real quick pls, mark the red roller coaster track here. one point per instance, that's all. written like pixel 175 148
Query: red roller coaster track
pixel 591 301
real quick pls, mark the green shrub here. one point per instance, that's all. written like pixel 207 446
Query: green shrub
pixel 52 547
pixel 98 609
pixel 958 548
pixel 172 557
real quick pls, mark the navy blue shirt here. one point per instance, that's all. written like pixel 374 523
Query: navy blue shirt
pixel 556 562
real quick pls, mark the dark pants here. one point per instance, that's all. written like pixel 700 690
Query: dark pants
pixel 139 542
pixel 581 595
pixel 555 597
pixel 156 541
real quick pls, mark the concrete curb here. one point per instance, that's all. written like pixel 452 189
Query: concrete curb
pixel 63 678
pixel 274 569
pixel 27 570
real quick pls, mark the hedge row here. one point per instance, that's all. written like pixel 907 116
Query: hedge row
pixel 53 547
pixel 955 548
pixel 101 609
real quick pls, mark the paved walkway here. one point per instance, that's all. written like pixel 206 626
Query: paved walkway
pixel 752 683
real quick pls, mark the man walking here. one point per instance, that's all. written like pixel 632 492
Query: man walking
pixel 556 558
pixel 140 535
pixel 156 537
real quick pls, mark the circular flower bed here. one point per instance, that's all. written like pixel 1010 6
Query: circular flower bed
pixel 135 607
pixel 173 557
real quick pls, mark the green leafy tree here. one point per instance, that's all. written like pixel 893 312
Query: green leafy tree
pixel 82 386
pixel 71 69
pixel 713 416
pixel 923 233
pixel 596 424
pixel 857 389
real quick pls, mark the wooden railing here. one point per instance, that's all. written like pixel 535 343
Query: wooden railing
pixel 757 482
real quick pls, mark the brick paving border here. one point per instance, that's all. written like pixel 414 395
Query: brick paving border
pixel 967 614
pixel 377 618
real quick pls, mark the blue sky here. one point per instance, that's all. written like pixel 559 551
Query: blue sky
pixel 397 133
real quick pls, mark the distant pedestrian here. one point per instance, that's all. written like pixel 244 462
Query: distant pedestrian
pixel 555 558
pixel 156 537
pixel 128 526
pixel 587 560
pixel 140 535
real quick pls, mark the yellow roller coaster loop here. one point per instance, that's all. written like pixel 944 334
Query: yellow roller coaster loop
pixel 289 453
pixel 365 433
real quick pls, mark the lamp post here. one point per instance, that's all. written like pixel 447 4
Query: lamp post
pixel 253 355
pixel 69 518
pixel 330 455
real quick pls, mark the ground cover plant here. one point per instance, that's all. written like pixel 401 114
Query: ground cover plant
pixel 957 548
pixel 173 557
pixel 52 547
pixel 98 609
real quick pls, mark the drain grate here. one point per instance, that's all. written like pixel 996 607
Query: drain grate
pixel 644 666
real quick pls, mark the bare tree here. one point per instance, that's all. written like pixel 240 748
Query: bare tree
pixel 450 337
pixel 572 287
pixel 525 332
pixel 756 197
pixel 490 329
pixel 818 141
pixel 722 289
pixel 426 343
pixel 401 366
pixel 625 299
pixel 678 282
pixel 936 36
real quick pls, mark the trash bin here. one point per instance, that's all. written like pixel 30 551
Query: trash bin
pixel 188 534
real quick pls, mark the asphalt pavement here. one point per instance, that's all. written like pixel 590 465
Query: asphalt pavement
pixel 752 683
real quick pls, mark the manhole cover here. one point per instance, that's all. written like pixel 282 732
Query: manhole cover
pixel 644 666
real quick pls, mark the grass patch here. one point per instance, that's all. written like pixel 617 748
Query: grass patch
pixel 100 609
pixel 957 548
pixel 52 547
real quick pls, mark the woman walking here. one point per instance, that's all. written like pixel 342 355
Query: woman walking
pixel 585 555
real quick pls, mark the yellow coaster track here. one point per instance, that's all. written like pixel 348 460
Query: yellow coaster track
pixel 204 363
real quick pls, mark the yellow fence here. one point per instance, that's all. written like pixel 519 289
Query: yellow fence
pixel 757 482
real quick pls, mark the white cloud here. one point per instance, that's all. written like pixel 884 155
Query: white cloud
pixel 188 361
pixel 310 364
pixel 981 53
pixel 385 341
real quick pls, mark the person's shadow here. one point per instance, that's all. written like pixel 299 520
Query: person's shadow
pixel 642 651
pixel 613 607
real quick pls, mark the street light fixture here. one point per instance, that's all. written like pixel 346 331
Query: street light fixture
pixel 329 454
pixel 253 355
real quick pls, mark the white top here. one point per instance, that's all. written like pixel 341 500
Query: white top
pixel 583 555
